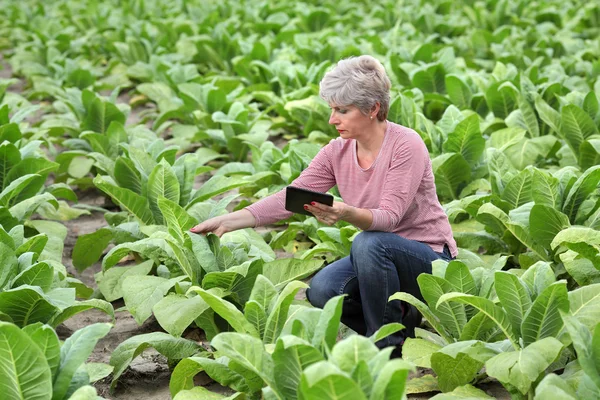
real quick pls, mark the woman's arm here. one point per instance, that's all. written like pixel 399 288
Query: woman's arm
pixel 226 223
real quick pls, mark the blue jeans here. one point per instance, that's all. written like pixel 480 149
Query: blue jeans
pixel 380 264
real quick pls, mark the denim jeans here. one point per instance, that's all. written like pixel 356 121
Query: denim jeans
pixel 380 264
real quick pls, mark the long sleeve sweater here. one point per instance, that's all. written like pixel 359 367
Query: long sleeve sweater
pixel 398 188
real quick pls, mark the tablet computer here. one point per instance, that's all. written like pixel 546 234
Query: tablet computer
pixel 296 198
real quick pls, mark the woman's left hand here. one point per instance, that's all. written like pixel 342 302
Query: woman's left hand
pixel 328 215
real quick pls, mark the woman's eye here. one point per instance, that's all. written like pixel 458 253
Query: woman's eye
pixel 343 111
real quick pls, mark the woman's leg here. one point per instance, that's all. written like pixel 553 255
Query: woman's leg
pixel 335 279
pixel 386 263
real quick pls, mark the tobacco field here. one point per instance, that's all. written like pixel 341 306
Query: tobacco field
pixel 123 123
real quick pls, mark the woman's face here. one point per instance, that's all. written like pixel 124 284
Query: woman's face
pixel 349 121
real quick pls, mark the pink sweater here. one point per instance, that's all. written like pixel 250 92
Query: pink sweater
pixel 398 188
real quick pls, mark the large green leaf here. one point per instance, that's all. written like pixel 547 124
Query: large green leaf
pixel 458 91
pixel 9 157
pixel 183 374
pixel 543 318
pixel 279 311
pixel 141 293
pixel 581 189
pixel 545 189
pixel 500 99
pixel 452 316
pixel 176 312
pixel 518 190
pixel 323 380
pixel 228 311
pixel 576 126
pixel 127 176
pixel 110 282
pixel 391 380
pixel 162 183
pixel 73 354
pixel 177 219
pixel 458 363
pixel 89 248
pixel 46 339
pixel 589 153
pixel 100 114
pixel 327 327
pixel 238 280
pixel 491 310
pixel 171 347
pixel 40 274
pixel 292 355
pixel 522 368
pixel 451 172
pixel 25 371
pixel 429 316
pixel 26 305
pixel 585 304
pixel 545 223
pixel 284 270
pixel 130 201
pixel 248 352
pixel 82 306
pixel 514 297
pixel 466 139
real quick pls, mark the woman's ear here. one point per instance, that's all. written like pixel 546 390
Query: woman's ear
pixel 375 109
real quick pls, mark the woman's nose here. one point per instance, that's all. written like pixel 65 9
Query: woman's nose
pixel 332 118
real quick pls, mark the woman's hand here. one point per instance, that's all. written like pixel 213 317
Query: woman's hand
pixel 226 223
pixel 328 215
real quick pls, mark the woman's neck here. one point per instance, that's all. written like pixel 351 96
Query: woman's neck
pixel 372 140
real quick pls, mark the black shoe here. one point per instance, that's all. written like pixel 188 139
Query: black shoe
pixel 411 319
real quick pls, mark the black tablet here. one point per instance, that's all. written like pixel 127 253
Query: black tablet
pixel 296 198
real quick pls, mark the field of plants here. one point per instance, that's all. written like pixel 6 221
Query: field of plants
pixel 123 123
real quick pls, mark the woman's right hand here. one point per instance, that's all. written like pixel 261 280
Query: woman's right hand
pixel 216 225
pixel 226 223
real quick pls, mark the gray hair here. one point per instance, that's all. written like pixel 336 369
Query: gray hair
pixel 358 81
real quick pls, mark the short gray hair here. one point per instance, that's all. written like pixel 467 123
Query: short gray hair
pixel 358 81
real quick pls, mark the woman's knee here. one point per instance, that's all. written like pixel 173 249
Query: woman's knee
pixel 320 291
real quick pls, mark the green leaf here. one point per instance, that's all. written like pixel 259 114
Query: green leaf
pixel 26 305
pixel 176 312
pixel 47 340
pixel 463 392
pixel 347 353
pixel 249 352
pixel 514 297
pixel 585 304
pixel 430 79
pixel 127 176
pixel 100 115
pixel 581 189
pixel 141 293
pixel 279 311
pixel 15 187
pixel 391 380
pixel 451 172
pixel 466 139
pixel 543 319
pixel 523 367
pixel 452 316
pixel 176 218
pixel 589 153
pixel 73 354
pixel 263 292
pixel 493 311
pixel 518 189
pixel 228 311
pixel 553 387
pixel 81 306
pixel 130 201
pixel 162 183
pixel 454 368
pixel 284 270
pixel 419 351
pixel 385 331
pixel 458 91
pixel 89 248
pixel 9 157
pixel 291 356
pixel 545 223
pixel 429 316
pixel 110 282
pixel 167 345
pixel 25 372
pixel 501 99
pixel 576 126
pixel 323 380
pixel 40 274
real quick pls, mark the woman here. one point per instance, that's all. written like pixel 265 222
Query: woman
pixel 383 173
